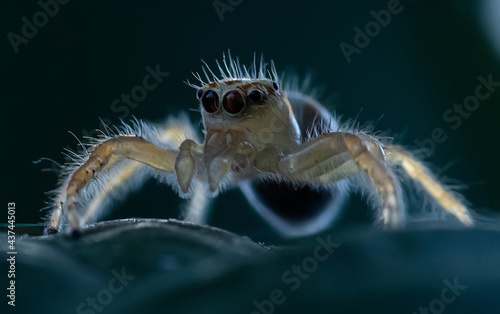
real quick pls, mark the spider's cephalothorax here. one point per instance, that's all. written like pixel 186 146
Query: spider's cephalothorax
pixel 279 145
pixel 248 115
pixel 249 107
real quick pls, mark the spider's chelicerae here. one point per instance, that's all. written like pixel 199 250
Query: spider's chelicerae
pixel 279 145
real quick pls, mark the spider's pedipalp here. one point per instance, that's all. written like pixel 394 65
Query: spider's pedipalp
pixel 185 163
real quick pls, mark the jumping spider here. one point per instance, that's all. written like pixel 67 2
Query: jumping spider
pixel 260 136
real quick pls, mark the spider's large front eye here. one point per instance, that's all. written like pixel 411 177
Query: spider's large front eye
pixel 233 102
pixel 210 101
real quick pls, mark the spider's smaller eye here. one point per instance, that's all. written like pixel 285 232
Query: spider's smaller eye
pixel 199 93
pixel 233 103
pixel 210 101
pixel 275 86
pixel 255 95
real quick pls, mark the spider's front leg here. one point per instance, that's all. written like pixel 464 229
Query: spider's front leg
pixel 333 157
pixel 105 155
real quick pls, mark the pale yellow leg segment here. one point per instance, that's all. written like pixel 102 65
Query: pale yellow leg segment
pixel 196 211
pixel 134 148
pixel 380 176
pixel 55 219
pixel 115 182
pixel 421 174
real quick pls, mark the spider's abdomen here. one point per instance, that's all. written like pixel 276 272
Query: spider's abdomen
pixel 297 211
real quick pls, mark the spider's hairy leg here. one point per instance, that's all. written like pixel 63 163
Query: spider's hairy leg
pixel 55 217
pixel 109 152
pixel 123 175
pixel 336 156
pixel 115 182
pixel 197 209
pixel 418 172
pixel 118 181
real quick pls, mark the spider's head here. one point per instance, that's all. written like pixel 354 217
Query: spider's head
pixel 256 107
pixel 246 100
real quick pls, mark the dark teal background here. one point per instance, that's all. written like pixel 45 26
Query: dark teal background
pixel 67 76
